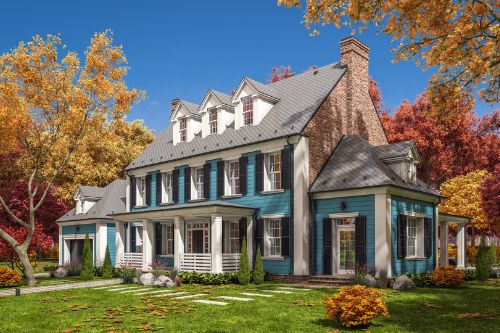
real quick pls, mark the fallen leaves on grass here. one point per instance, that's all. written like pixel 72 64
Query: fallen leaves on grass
pixel 302 303
pixel 430 305
pixel 469 315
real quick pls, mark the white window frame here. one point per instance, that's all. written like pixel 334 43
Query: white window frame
pixel 417 239
pixel 273 176
pixel 183 129
pixel 198 187
pixel 271 243
pixel 205 226
pixel 213 126
pixel 412 171
pixel 247 112
pixel 231 239
pixel 233 180
pixel 167 187
pixel 141 191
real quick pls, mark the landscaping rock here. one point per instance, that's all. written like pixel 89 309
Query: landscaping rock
pixel 403 283
pixel 495 271
pixel 370 281
pixel 164 281
pixel 147 279
pixel 60 273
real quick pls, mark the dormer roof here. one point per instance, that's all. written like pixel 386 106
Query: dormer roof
pixel 266 91
pixel 89 192
pixel 398 151
pixel 223 99
pixel 192 108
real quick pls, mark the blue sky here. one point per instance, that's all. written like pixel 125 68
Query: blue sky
pixel 182 48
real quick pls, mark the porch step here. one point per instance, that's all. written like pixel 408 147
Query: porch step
pixel 330 281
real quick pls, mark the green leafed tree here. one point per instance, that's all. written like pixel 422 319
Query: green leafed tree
pixel 482 262
pixel 492 254
pixel 244 272
pixel 87 272
pixel 107 267
pixel 258 269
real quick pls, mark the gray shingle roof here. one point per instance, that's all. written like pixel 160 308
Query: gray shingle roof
pixel 113 201
pixel 223 98
pixel 393 150
pixel 91 191
pixel 355 163
pixel 299 97
pixel 191 107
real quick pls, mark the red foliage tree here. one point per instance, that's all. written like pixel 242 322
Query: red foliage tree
pixel 281 73
pixel 490 195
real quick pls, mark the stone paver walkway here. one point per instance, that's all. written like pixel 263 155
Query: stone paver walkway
pixel 77 285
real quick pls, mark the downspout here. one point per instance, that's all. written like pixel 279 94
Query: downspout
pixel 254 229
pixel 292 221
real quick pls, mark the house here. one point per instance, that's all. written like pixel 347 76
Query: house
pixel 301 168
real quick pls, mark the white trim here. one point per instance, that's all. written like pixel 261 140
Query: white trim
pixel 413 214
pixel 273 216
pixel 301 207
pixel 342 215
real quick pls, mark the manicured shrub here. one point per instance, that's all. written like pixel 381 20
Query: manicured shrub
pixel 258 269
pixel 447 277
pixel 492 255
pixel 107 266
pixel 208 278
pixel 421 280
pixel 356 306
pixel 244 271
pixel 127 273
pixel 482 262
pixel 73 267
pixel 469 274
pixel 87 272
pixel 9 277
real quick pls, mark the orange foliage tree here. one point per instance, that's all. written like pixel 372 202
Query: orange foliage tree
pixel 59 100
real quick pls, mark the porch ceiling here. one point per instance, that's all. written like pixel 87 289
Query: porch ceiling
pixel 192 209
pixel 453 219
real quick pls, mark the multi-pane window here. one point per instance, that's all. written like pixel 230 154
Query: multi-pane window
pixel 247 110
pixel 273 230
pixel 198 183
pixel 212 120
pixel 411 237
pixel 141 186
pixel 234 177
pixel 170 239
pixel 167 187
pixel 274 165
pixel 234 237
pixel 183 129
pixel 198 238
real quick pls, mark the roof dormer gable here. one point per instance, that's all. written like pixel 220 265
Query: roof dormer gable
pixel 186 122
pixel 184 109
pixel 217 113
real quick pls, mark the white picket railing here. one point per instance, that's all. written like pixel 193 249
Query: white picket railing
pixel 196 262
pixel 132 259
pixel 230 262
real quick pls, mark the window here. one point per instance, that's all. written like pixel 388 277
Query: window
pixel 234 177
pixel 274 171
pixel 212 120
pixel 197 238
pixel 141 187
pixel 247 110
pixel 167 240
pixel 183 129
pixel 198 183
pixel 273 233
pixel 411 237
pixel 167 187
pixel 412 171
pixel 233 237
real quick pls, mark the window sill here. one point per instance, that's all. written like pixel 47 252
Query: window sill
pixel 229 196
pixel 415 258
pixel 274 258
pixel 165 255
pixel 167 203
pixel 197 200
pixel 141 206
pixel 272 191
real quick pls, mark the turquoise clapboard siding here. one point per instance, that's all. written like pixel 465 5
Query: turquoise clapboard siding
pixel 167 261
pixel 401 205
pixel 81 229
pixel 364 204
pixel 111 241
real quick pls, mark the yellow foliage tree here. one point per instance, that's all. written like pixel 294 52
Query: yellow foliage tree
pixel 463 197
pixel 459 38
pixel 61 103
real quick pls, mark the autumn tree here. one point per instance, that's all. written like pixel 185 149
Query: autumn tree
pixel 490 195
pixel 463 197
pixel 280 73
pixel 457 38
pixel 61 100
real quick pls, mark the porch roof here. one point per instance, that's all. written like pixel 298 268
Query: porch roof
pixel 451 218
pixel 191 209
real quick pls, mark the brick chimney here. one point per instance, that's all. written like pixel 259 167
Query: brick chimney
pixel 355 56
pixel 173 104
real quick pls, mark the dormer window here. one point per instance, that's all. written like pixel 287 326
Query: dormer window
pixel 212 120
pixel 412 171
pixel 183 129
pixel 247 110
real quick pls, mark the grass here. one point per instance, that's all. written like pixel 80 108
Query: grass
pixel 88 310
pixel 38 269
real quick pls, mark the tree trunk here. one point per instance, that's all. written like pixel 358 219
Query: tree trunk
pixel 28 270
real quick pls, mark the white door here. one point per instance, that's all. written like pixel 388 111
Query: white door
pixel 346 253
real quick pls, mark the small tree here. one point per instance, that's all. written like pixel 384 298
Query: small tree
pixel 258 269
pixel 87 272
pixel 107 267
pixel 482 262
pixel 492 254
pixel 244 272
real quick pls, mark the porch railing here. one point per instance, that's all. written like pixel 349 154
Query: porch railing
pixel 196 262
pixel 132 259
pixel 230 262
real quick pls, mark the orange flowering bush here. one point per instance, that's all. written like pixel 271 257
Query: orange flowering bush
pixel 356 305
pixel 447 277
pixel 9 277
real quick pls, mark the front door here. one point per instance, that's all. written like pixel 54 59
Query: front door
pixel 346 252
pixel 197 241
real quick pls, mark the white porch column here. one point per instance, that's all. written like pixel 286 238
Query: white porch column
pixel 216 240
pixel 147 241
pixel 178 241
pixel 61 246
pixel 443 243
pixel 460 245
pixel 120 241
pixel 250 242
pixel 101 242
pixel 383 232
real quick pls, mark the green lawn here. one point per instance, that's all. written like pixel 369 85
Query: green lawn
pixel 420 310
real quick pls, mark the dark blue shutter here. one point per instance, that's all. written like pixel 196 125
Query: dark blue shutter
pixel 286 168
pixel 242 229
pixel 133 191
pixel 220 178
pixel 360 242
pixel 427 237
pixel 259 173
pixel 327 246
pixel 158 188
pixel 259 236
pixel 243 174
pixel 187 184
pixel 402 236
pixel 206 180
pixel 148 190
pixel 285 237
pixel 175 185
pixel 133 236
pixel 158 239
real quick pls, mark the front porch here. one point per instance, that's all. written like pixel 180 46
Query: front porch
pixel 445 221
pixel 192 237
